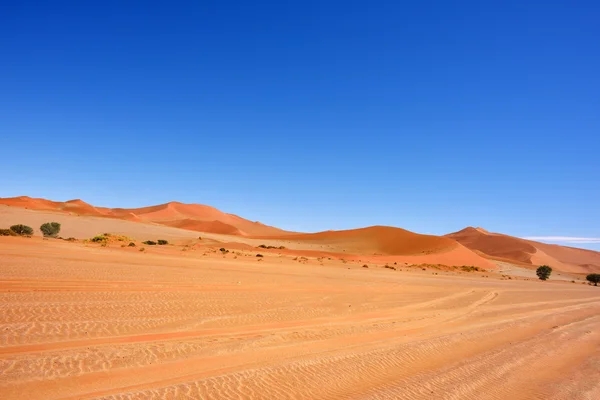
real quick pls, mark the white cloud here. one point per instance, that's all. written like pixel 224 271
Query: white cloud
pixel 564 239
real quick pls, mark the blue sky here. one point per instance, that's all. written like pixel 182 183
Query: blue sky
pixel 311 115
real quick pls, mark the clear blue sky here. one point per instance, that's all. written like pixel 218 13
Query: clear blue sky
pixel 311 115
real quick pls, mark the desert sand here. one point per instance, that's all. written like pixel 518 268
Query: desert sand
pixel 80 320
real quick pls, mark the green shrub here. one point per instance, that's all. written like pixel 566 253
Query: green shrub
pixel 22 230
pixel 543 272
pixel 150 242
pixel 99 238
pixel 7 232
pixel 50 229
pixel 469 268
pixel 593 278
pixel 131 244
pixel 162 242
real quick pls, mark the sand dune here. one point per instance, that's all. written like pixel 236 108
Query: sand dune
pixel 471 246
pixel 169 214
pixel 527 252
pixel 80 321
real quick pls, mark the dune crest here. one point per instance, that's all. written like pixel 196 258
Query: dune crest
pixel 196 217
pixel 521 251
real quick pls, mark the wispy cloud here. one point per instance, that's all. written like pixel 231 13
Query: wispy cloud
pixel 564 239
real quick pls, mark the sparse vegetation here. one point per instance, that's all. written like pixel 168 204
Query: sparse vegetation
pixel 22 230
pixel 470 268
pixel 150 242
pixel 593 278
pixel 99 239
pixel 543 272
pixel 7 232
pixel 365 266
pixel 259 255
pixel 223 250
pixel 50 229
pixel 162 242
pixel 264 246
pixel 131 244
pixel 389 267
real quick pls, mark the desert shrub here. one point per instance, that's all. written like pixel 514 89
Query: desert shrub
pixel 543 272
pixel 50 229
pixel 99 238
pixel 593 278
pixel 7 232
pixel 131 244
pixel 223 250
pixel 262 246
pixel 259 255
pixel 150 242
pixel 469 268
pixel 162 242
pixel 142 248
pixel 365 266
pixel 71 239
pixel 22 230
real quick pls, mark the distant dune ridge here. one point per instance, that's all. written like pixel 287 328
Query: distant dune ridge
pixel 527 252
pixel 194 217
pixel 470 246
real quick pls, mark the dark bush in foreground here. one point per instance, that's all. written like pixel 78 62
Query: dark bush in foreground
pixel 22 230
pixel 162 242
pixel 543 272
pixel 593 278
pixel 149 242
pixel 7 232
pixel 131 244
pixel 259 255
pixel 50 229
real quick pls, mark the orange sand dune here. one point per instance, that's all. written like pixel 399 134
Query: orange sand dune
pixel 385 240
pixel 376 242
pixel 208 219
pixel 495 245
pixel 205 226
pixel 521 251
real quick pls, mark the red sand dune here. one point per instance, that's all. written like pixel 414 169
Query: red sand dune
pixel 521 251
pixel 495 245
pixel 471 246
pixel 384 240
pixel 195 217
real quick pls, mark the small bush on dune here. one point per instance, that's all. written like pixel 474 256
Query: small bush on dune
pixel 162 242
pixel 7 232
pixel 50 229
pixel 150 242
pixel 259 255
pixel 99 239
pixel 593 278
pixel 22 230
pixel 131 244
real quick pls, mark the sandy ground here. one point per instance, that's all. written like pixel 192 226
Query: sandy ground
pixel 81 321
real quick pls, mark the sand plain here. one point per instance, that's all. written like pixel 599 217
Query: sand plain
pixel 184 321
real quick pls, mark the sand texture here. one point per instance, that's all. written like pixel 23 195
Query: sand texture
pixel 82 321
